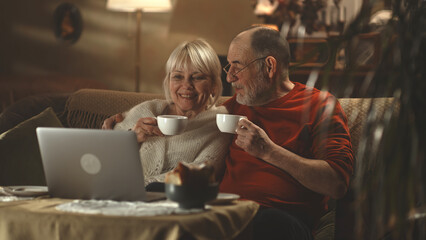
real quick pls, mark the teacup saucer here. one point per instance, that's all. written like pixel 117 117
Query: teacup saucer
pixel 26 191
pixel 224 198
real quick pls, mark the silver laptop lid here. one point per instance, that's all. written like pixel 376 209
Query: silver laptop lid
pixel 91 164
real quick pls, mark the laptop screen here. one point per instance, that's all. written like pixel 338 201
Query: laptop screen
pixel 91 164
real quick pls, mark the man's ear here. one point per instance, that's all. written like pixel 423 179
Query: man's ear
pixel 271 66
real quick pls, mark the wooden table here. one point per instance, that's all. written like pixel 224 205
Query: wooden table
pixel 39 219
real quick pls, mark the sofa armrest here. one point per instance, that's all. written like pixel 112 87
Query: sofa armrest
pixel 88 108
pixel 361 110
pixel 362 113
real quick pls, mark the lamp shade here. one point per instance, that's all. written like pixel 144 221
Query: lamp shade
pixel 144 5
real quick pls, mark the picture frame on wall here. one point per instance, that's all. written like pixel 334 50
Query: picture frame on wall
pixel 68 23
pixel 308 52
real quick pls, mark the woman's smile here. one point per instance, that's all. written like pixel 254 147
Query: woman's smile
pixel 190 90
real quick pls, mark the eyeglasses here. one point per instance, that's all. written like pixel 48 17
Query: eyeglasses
pixel 227 67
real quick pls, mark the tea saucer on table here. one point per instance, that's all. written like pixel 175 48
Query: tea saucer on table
pixel 224 198
pixel 26 191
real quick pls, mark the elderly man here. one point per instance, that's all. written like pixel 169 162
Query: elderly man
pixel 294 150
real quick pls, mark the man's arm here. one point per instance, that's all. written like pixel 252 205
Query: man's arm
pixel 315 174
pixel 110 122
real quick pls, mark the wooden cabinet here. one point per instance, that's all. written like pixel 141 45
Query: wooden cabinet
pixel 340 83
pixel 330 59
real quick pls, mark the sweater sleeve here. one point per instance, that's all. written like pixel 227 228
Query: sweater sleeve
pixel 149 108
pixel 214 153
pixel 216 145
pixel 332 140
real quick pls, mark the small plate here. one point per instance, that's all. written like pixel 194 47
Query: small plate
pixel 26 191
pixel 224 198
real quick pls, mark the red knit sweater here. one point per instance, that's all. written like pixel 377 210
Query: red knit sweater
pixel 306 121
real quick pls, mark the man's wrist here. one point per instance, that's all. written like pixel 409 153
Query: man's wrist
pixel 270 152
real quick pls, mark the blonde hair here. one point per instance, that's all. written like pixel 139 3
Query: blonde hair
pixel 202 57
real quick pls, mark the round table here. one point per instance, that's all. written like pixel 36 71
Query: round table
pixel 39 219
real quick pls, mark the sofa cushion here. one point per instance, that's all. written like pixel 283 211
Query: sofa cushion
pixel 30 106
pixel 326 226
pixel 20 162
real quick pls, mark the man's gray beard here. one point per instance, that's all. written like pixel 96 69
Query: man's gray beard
pixel 258 95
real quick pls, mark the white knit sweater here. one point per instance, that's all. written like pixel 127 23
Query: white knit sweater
pixel 200 142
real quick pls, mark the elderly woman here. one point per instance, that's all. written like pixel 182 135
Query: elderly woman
pixel 192 87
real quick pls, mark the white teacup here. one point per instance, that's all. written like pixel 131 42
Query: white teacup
pixel 228 122
pixel 172 124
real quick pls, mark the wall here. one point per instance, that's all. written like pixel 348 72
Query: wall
pixel 352 7
pixel 105 50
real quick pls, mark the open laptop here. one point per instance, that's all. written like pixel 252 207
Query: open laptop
pixel 93 164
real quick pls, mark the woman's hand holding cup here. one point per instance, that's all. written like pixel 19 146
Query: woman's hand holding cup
pixel 146 127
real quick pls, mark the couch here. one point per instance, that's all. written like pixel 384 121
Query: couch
pixel 87 108
pixel 16 87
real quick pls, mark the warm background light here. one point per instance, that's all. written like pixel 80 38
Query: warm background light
pixel 105 50
pixel 139 6
pixel 144 5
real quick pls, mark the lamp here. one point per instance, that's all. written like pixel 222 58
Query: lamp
pixel 138 6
